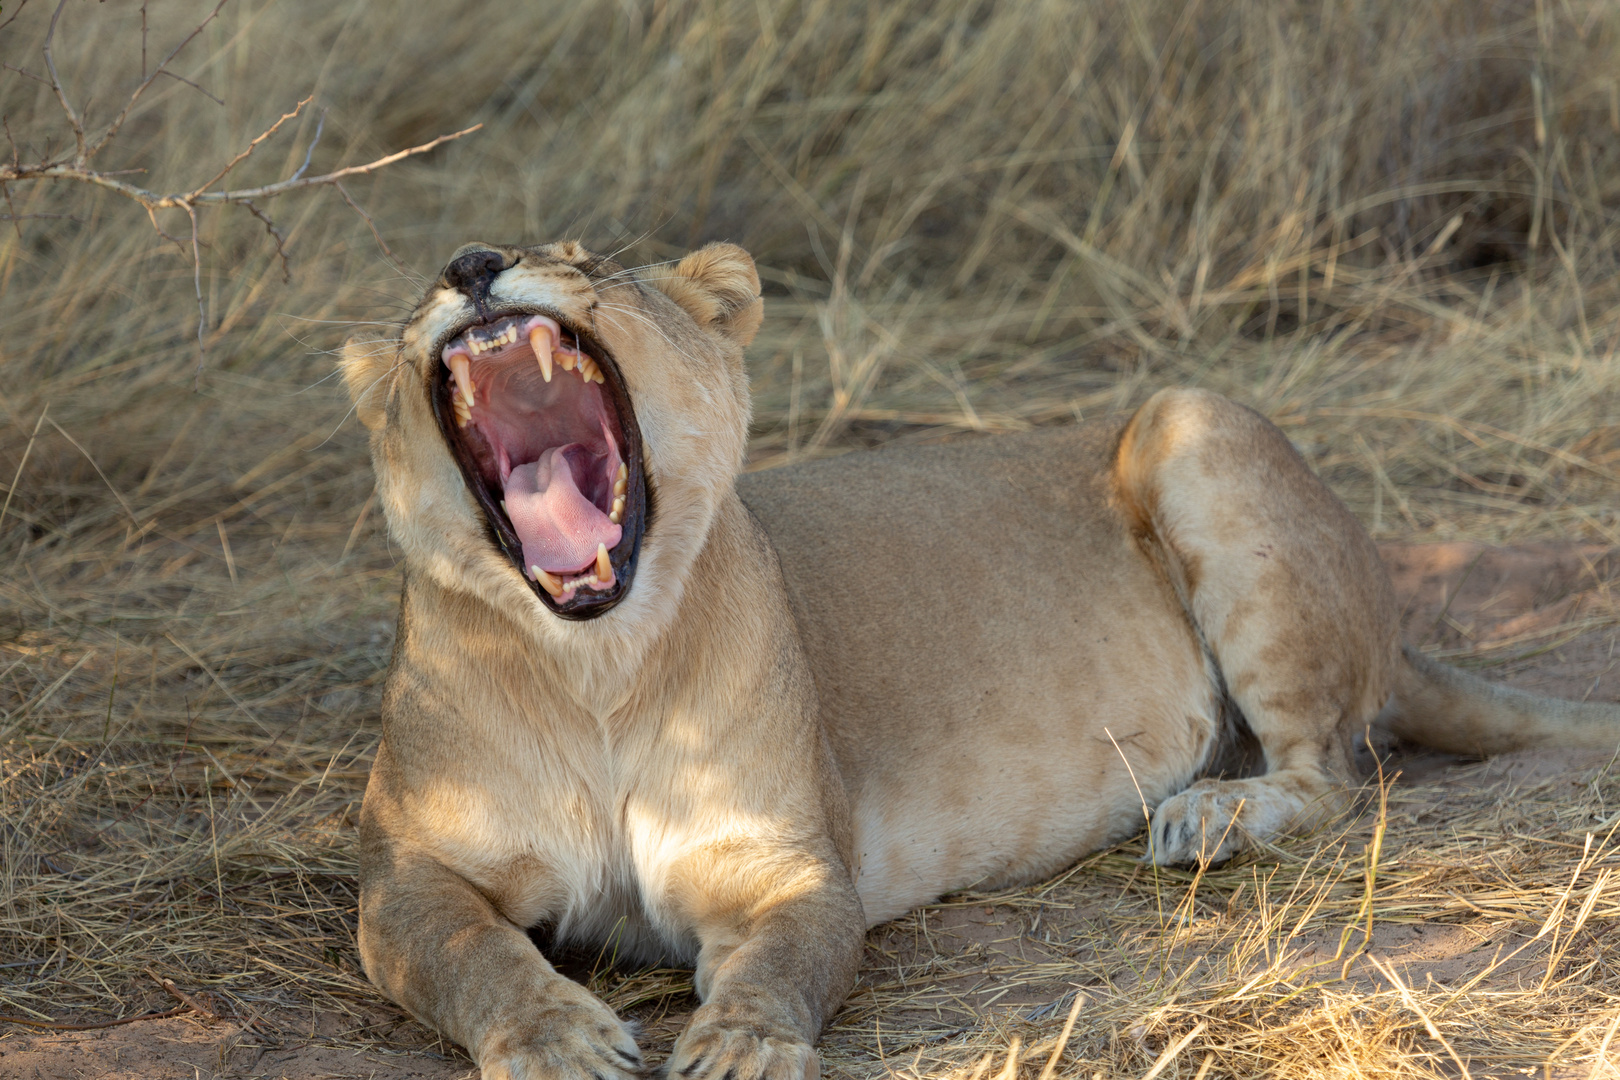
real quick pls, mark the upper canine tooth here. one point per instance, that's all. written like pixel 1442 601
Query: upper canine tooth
pixel 604 568
pixel 540 342
pixel 461 368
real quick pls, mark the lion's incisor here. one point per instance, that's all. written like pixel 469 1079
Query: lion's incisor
pixel 803 701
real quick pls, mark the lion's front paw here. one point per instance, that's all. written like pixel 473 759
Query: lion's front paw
pixel 571 1036
pixel 711 1049
pixel 1197 826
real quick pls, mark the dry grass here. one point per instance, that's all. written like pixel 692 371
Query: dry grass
pixel 1390 226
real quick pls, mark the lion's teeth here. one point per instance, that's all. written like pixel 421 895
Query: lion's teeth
pixel 624 472
pixel 568 360
pixel 604 568
pixel 617 514
pixel 540 342
pixel 461 368
pixel 547 582
pixel 620 486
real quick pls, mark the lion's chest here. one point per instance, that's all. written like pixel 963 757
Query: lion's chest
pixel 547 834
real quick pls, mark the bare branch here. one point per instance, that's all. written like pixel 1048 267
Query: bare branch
pixel 281 240
pixel 25 73
pixel 61 95
pixel 118 122
pixel 6 191
pixel 78 167
pixel 152 216
pixel 20 5
pixel 155 200
pixel 341 190
pixel 194 86
pixel 196 282
pixel 252 146
pixel 320 126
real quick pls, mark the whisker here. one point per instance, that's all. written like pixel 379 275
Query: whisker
pixel 659 330
pixel 355 405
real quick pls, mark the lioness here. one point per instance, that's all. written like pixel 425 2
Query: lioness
pixel 733 721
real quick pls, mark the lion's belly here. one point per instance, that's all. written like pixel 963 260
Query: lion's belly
pixel 991 648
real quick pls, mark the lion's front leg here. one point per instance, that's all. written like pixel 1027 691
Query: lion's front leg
pixel 770 971
pixel 436 946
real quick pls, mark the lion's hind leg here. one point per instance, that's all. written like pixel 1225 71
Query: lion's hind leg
pixel 1289 596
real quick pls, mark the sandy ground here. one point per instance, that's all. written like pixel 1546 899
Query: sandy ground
pixel 1475 603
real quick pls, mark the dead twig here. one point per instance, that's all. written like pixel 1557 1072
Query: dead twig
pixel 79 167
pixel 185 999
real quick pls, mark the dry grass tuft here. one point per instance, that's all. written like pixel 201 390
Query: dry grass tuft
pixel 1392 227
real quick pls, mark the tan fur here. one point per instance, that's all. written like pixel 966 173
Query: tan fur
pixel 838 690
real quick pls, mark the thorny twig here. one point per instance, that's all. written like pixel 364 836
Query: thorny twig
pixel 78 166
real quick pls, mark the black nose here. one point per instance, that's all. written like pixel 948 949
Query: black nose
pixel 472 270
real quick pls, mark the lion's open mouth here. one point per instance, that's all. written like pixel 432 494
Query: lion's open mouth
pixel 538 417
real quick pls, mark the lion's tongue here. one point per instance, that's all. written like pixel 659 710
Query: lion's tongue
pixel 560 528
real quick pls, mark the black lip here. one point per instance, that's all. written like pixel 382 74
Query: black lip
pixel 623 556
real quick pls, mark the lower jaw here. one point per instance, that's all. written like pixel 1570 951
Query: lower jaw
pixel 562 588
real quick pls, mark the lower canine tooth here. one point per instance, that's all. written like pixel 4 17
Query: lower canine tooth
pixel 540 341
pixel 604 568
pixel 547 582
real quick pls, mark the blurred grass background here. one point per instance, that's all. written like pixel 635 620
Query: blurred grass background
pixel 1391 226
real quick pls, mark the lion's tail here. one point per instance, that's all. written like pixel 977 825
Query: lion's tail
pixel 1451 710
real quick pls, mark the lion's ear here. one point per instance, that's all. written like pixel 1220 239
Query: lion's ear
pixel 718 286
pixel 366 364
